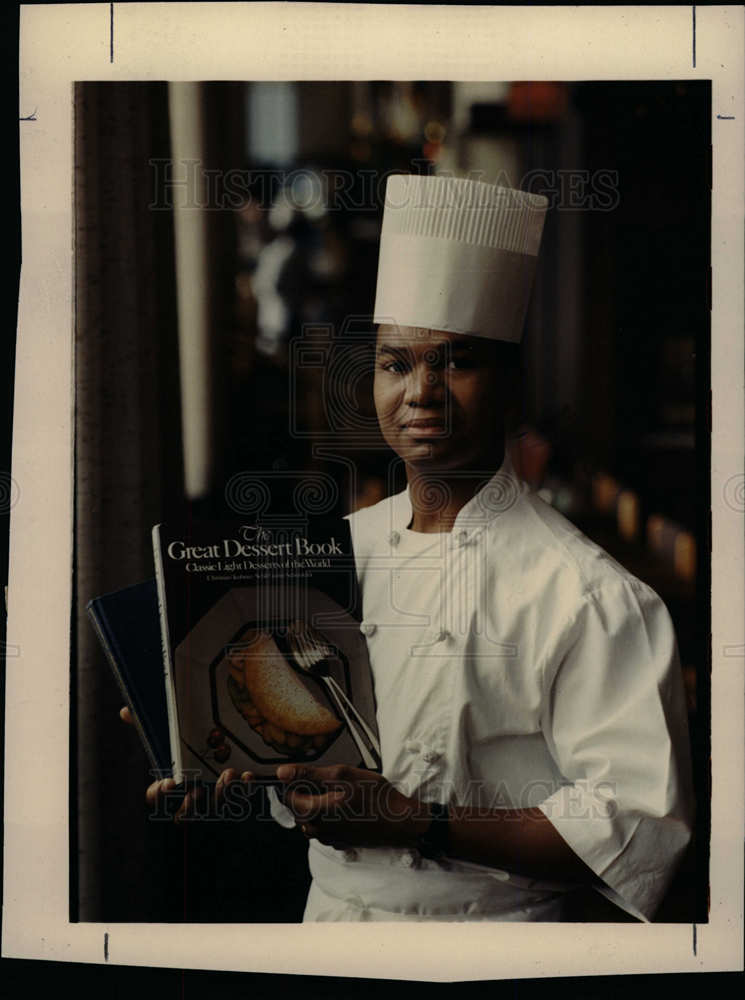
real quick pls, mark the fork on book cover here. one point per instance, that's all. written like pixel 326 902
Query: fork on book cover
pixel 311 653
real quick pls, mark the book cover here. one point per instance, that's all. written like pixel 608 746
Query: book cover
pixel 128 627
pixel 265 662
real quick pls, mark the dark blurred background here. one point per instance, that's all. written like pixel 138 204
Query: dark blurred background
pixel 226 251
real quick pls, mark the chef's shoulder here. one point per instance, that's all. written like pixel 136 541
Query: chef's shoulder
pixel 572 561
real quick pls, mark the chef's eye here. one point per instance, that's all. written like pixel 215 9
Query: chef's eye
pixel 397 367
pixel 459 364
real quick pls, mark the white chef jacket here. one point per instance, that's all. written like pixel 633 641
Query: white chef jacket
pixel 515 664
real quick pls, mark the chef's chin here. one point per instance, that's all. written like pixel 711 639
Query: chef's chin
pixel 429 453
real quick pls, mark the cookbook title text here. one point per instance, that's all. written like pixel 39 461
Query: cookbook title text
pixel 256 542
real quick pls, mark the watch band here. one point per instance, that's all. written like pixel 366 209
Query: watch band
pixel 433 842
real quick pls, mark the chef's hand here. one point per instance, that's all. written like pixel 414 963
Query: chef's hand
pixel 351 807
pixel 190 799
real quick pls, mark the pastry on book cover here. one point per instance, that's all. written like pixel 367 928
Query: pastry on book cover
pixel 265 661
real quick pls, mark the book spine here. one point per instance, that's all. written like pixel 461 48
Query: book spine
pixel 114 664
pixel 173 726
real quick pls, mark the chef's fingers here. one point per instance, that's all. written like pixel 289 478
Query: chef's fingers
pixel 225 778
pixel 305 806
pixel 321 776
pixel 229 777
pixel 315 791
pixel 192 805
pixel 158 790
pixel 126 716
pixel 232 792
pixel 165 796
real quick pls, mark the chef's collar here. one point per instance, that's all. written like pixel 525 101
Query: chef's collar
pixel 495 498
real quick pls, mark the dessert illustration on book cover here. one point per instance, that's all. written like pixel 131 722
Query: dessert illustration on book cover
pixel 265 661
pixel 264 686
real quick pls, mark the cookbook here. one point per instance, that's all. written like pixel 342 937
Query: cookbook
pixel 263 655
pixel 128 627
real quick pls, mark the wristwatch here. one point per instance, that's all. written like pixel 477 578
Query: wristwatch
pixel 433 842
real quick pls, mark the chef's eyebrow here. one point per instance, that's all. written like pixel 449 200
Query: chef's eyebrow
pixel 390 349
pixel 443 345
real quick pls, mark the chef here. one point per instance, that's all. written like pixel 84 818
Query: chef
pixel 529 695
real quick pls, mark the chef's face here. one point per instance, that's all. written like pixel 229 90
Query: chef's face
pixel 440 397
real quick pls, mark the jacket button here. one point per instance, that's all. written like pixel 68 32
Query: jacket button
pixel 462 537
pixel 350 854
pixel 368 628
pixel 407 860
pixel 430 756
pixel 442 635
pixel 499 875
pixel 394 538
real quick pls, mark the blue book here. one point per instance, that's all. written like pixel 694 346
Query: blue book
pixel 128 626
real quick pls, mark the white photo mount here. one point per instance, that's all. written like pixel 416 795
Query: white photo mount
pixel 64 43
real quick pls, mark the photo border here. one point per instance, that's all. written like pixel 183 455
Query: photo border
pixel 60 44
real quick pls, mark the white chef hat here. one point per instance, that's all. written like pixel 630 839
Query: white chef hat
pixel 457 255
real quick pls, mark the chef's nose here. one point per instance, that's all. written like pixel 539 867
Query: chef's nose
pixel 426 383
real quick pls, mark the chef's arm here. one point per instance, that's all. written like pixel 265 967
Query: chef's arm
pixel 354 807
pixel 520 840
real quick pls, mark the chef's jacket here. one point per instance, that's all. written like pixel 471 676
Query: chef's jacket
pixel 516 665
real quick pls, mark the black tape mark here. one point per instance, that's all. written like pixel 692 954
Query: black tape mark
pixel 106 947
pixel 111 33
pixel 726 118
pixel 694 35
pixel 694 940
pixel 29 118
